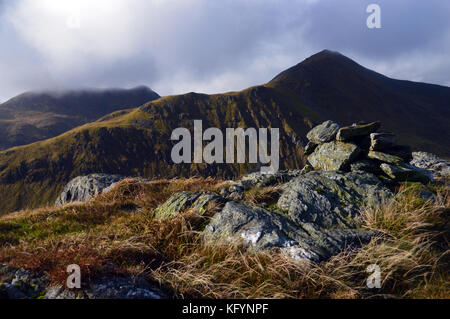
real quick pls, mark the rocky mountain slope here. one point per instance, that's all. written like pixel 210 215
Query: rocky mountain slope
pixel 309 232
pixel 315 214
pixel 137 143
pixel 35 116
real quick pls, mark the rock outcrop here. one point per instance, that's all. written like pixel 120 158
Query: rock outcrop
pixel 314 218
pixel 180 202
pixel 330 199
pixel 83 188
pixel 117 287
pixel 333 156
pixel 323 133
pixel 21 283
pixel 439 167
pixel 25 284
pixel 315 215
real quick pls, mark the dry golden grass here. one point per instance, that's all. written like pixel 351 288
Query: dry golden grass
pixel 412 252
pixel 151 194
pixel 263 195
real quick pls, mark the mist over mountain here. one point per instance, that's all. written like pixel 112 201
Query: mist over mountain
pixel 34 116
pixel 137 142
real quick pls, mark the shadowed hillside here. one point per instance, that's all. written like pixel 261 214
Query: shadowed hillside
pixel 35 116
pixel 137 142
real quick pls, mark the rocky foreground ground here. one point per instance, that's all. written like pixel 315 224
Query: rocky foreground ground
pixel 310 215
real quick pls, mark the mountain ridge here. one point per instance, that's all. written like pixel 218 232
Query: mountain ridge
pixel 33 116
pixel 136 142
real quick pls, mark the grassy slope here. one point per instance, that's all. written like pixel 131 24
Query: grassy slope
pixel 413 257
pixel 138 143
pixel 31 117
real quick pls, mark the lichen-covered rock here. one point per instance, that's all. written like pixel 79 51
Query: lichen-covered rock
pixel 384 157
pixel 59 292
pixel 21 283
pixel 323 133
pixel 180 202
pixel 124 288
pixel 333 156
pixel 113 287
pixel 357 130
pixel 309 148
pixel 366 166
pixel 440 167
pixel 402 151
pixel 261 229
pixel 259 179
pixel 307 168
pixel 381 141
pixel 330 199
pixel 83 188
pixel 406 172
pixel 252 225
pixel 234 192
pixel 314 219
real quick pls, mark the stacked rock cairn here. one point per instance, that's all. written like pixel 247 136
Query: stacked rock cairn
pixel 361 148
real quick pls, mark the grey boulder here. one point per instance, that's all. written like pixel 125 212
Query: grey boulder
pixel 407 172
pixel 259 179
pixel 366 166
pixel 309 148
pixel 357 130
pixel 21 283
pixel 331 199
pixel 323 133
pixel 440 167
pixel 381 141
pixel 333 156
pixel 182 201
pixel 262 229
pixel 83 188
pixel 114 287
pixel 384 157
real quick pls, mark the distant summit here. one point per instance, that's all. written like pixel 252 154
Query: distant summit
pixel 336 87
pixel 34 116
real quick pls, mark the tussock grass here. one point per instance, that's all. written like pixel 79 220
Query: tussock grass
pixel 150 195
pixel 264 195
pixel 411 251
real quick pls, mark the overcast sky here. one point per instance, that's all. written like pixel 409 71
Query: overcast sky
pixel 210 46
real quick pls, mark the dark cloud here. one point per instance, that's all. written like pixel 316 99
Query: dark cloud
pixel 406 25
pixel 210 46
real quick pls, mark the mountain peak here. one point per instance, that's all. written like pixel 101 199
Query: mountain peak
pixel 325 62
pixel 328 53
